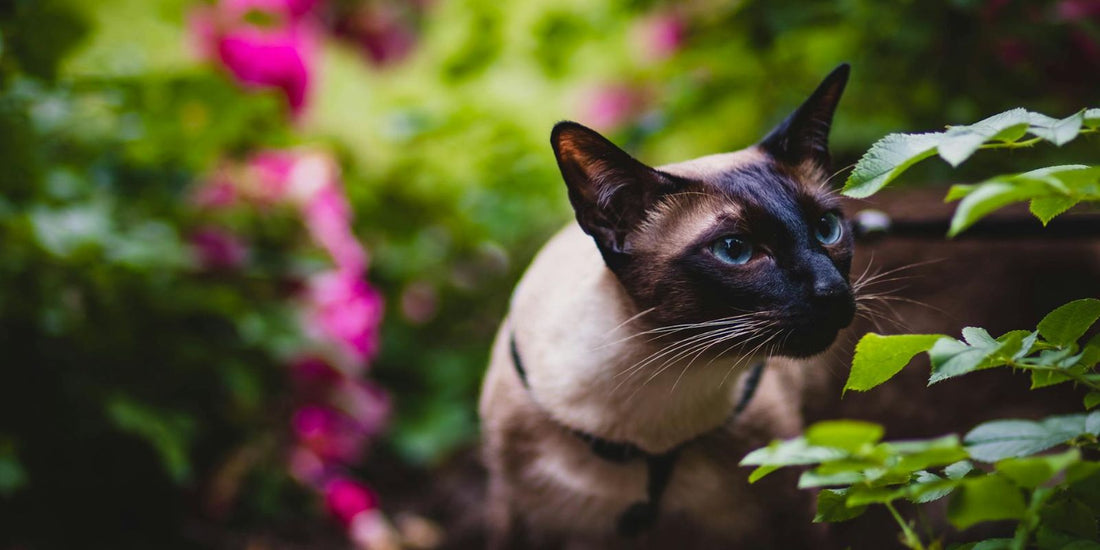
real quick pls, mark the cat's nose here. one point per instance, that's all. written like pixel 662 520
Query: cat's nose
pixel 830 287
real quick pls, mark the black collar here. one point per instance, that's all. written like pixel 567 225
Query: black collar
pixel 642 515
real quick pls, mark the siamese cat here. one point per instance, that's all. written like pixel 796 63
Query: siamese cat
pixel 647 348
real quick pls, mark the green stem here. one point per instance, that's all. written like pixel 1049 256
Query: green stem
pixel 911 538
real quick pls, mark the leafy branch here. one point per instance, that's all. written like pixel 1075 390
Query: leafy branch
pixel 1051 191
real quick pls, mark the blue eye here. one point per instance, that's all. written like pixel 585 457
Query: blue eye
pixel 829 229
pixel 732 250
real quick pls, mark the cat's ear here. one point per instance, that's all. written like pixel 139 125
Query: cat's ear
pixel 610 190
pixel 804 135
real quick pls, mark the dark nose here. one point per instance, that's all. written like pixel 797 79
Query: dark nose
pixel 831 293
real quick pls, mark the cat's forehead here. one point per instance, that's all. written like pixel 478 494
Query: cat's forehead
pixel 746 185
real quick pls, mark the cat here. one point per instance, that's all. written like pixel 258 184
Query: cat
pixel 628 377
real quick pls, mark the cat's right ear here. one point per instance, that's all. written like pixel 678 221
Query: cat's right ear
pixel 610 190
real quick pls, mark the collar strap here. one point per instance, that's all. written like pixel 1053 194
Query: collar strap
pixel 643 514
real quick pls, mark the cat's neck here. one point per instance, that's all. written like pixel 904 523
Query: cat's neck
pixel 577 335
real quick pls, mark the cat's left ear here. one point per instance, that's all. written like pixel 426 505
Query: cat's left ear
pixel 804 135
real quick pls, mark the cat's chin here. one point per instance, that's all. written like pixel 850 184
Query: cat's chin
pixel 802 346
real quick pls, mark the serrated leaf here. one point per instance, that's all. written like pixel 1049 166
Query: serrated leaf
pixel 919 455
pixel 951 358
pixel 960 142
pixel 887 159
pixel 992 544
pixel 1056 131
pixel 832 507
pixel 929 487
pixel 959 469
pixel 987 198
pixel 1031 472
pixel 1001 439
pixel 1065 325
pixel 986 498
pixel 791 452
pixel 1092 423
pixel 878 358
pixel 810 479
pixel 1046 208
pixel 1046 378
pixel 849 435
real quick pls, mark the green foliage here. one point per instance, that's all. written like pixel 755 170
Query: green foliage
pixel 996 472
pixel 892 155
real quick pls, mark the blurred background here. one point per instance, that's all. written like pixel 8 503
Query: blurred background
pixel 253 252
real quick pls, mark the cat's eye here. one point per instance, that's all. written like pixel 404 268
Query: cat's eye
pixel 828 229
pixel 732 250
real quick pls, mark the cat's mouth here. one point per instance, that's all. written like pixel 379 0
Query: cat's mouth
pixel 811 334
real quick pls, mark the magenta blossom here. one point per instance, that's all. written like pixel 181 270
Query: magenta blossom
pixel 218 249
pixel 329 433
pixel 263 43
pixel 345 310
pixel 611 106
pixel 347 498
pixel 328 217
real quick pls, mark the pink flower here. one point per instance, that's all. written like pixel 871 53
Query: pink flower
pixel 329 433
pixel 345 310
pixel 327 216
pixel 347 498
pixel 217 249
pixel 263 43
pixel 659 36
pixel 610 106
pixel 306 466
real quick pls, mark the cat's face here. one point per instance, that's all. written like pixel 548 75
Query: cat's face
pixel 749 246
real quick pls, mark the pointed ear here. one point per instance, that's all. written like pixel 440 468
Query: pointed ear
pixel 610 190
pixel 804 135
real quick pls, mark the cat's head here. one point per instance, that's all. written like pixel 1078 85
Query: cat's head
pixel 749 242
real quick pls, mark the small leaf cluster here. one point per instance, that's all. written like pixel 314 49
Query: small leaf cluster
pixel 994 474
pixel 1051 354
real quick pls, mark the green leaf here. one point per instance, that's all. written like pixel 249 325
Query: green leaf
pixel 791 452
pixel 986 498
pixel 958 143
pixel 918 455
pixel 812 478
pixel 1031 472
pixel 849 435
pixel 988 197
pixel 1092 399
pixel 12 475
pixel 1000 439
pixel 1044 378
pixel 959 469
pixel 860 495
pixel 1046 208
pixel 929 487
pixel 1092 118
pixel 761 471
pixel 951 358
pixel 1056 131
pixel 832 507
pixel 1065 325
pixel 168 433
pixel 958 191
pixel 993 544
pixel 878 358
pixel 1070 517
pixel 887 159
